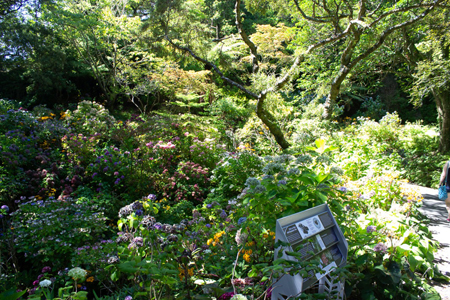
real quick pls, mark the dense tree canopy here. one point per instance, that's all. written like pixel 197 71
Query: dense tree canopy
pixel 153 53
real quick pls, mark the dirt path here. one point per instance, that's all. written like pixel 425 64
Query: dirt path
pixel 435 210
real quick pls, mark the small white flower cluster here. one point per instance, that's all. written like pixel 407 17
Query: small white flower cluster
pixel 77 273
pixel 45 283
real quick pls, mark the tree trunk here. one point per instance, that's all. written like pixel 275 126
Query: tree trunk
pixel 269 120
pixel 334 92
pixel 442 98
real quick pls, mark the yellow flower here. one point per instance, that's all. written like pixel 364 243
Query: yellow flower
pixel 181 274
pixel 249 251
pixel 191 272
pixel 249 244
pixel 209 242
pixel 218 235
pixel 90 279
pixel 247 257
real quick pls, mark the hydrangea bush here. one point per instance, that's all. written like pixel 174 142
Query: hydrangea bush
pixel 48 230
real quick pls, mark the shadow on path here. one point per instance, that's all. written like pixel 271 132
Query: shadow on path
pixel 434 209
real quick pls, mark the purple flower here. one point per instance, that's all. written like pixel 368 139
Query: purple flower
pixel 380 247
pixel 128 298
pixel 223 214
pixel 105 169
pixel 281 182
pixel 196 214
pixel 1 216
pixel 241 220
pixel 93 175
pixel 343 189
pixel 46 269
pixel 209 205
pixel 116 173
pixel 5 207
pixel 36 282
pixel 151 197
pixel 138 241
pixel 208 225
pixel 138 212
pixel 226 296
pixel 371 228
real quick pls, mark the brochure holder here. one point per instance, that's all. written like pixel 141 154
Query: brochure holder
pixel 314 234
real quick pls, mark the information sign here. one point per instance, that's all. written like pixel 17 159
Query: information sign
pixel 314 234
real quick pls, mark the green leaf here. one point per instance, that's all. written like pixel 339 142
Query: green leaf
pixel 114 276
pixel 11 295
pixel 321 177
pixel 320 143
pixel 394 271
pixel 361 260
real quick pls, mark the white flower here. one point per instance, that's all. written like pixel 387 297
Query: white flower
pixel 238 297
pixel 77 273
pixel 45 283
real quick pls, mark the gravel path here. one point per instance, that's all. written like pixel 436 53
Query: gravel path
pixel 435 210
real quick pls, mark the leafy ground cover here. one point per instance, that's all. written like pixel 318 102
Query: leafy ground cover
pixel 167 207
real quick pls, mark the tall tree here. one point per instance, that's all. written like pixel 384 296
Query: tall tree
pixel 355 29
pixel 363 26
pixel 430 55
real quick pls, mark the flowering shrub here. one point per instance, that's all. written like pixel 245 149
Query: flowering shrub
pixel 207 231
pixel 189 182
pixel 206 153
pixel 80 149
pixel 386 241
pixel 48 231
pixel 89 118
pixel 229 176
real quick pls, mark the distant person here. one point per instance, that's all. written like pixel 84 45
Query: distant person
pixel 445 181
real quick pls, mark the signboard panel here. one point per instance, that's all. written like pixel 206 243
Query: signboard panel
pixel 314 234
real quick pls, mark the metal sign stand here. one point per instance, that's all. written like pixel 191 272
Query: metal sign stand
pixel 314 234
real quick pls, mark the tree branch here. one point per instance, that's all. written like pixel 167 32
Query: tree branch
pixel 214 67
pixel 245 37
pixel 327 19
pixel 390 30
pixel 404 9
